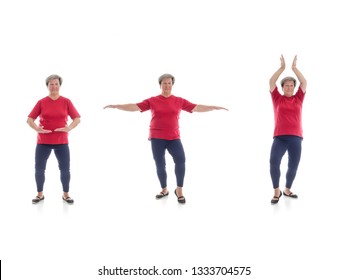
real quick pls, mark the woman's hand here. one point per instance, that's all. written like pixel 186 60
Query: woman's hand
pixel 294 62
pixel 110 106
pixel 41 130
pixel 283 63
pixel 219 108
pixel 62 129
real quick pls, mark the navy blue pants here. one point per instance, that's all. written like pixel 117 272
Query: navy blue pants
pixel 62 154
pixel 280 146
pixel 175 148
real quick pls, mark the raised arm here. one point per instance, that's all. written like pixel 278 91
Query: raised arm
pixel 299 75
pixel 276 75
pixel 131 107
pixel 207 108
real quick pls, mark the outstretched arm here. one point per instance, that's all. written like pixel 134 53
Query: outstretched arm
pixel 131 107
pixel 207 108
pixel 299 75
pixel 276 75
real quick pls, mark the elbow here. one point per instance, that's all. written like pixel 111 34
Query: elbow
pixel 272 83
pixel 303 83
pixel 137 108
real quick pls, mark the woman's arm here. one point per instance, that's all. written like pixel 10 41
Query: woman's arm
pixel 299 75
pixel 72 125
pixel 276 75
pixel 38 129
pixel 131 107
pixel 207 108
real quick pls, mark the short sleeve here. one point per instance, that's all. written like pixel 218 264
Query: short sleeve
pixel 36 111
pixel 144 105
pixel 300 94
pixel 73 113
pixel 188 106
pixel 275 95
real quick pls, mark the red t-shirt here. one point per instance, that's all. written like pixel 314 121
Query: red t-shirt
pixel 287 112
pixel 165 115
pixel 53 114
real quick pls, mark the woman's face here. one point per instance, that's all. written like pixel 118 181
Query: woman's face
pixel 53 86
pixel 288 88
pixel 166 85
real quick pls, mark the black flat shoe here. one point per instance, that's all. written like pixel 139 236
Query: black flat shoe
pixel 161 195
pixel 37 199
pixel 290 195
pixel 180 199
pixel 275 199
pixel 68 200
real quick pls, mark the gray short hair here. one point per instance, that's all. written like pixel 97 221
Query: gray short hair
pixel 286 79
pixel 166 76
pixel 53 77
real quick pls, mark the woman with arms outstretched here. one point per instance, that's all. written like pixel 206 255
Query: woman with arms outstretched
pixel 164 130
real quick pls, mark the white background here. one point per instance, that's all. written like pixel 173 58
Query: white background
pixel 221 53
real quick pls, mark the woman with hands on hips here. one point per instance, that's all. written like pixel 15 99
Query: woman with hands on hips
pixel 52 134
pixel 164 130
pixel 288 133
